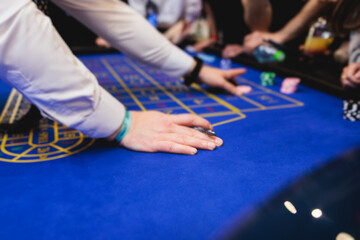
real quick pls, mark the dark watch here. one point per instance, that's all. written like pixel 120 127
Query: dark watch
pixel 194 75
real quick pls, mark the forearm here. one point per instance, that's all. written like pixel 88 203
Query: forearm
pixel 36 61
pixel 129 32
pixel 302 21
pixel 257 14
pixel 211 20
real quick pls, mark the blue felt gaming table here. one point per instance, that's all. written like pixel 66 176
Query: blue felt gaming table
pixel 59 184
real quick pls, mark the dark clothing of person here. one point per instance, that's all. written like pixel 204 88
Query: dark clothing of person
pixel 229 18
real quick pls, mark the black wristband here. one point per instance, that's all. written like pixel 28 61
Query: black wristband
pixel 193 76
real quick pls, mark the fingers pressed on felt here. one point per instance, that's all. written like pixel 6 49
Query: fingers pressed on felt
pixel 195 133
pixel 172 147
pixel 218 141
pixel 186 140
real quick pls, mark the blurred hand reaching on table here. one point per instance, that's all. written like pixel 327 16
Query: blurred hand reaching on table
pixel 350 76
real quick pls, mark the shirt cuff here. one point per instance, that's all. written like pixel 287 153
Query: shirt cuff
pixel 105 119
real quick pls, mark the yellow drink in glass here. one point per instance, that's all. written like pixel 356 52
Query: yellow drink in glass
pixel 314 45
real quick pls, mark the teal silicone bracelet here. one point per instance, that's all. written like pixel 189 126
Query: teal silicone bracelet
pixel 124 127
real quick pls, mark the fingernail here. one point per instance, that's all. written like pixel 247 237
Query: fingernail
pixel 219 142
pixel 193 151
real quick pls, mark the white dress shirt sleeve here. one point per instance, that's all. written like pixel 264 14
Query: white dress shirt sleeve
pixel 36 61
pixel 128 31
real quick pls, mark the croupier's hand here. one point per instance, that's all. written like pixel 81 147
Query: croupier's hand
pixel 157 132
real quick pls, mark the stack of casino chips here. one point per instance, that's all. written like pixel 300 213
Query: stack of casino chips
pixel 289 85
pixel 268 78
pixel 351 110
